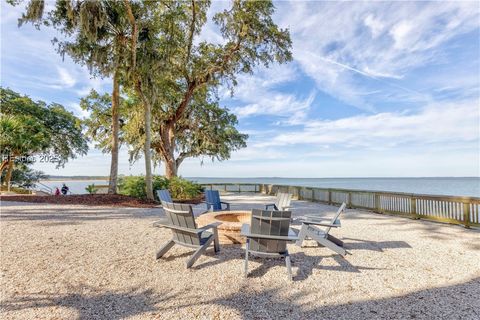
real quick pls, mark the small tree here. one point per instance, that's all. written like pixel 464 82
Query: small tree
pixel 91 189
pixel 28 128
pixel 23 176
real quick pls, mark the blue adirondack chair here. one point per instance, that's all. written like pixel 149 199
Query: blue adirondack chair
pixel 212 199
pixel 164 195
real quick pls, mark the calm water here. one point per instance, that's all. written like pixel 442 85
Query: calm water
pixel 75 186
pixel 440 186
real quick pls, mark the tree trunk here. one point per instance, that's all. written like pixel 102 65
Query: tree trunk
pixel 3 167
pixel 112 186
pixel 170 168
pixel 147 151
pixel 168 141
pixel 8 176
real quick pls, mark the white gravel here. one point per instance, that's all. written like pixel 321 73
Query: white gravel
pixel 64 262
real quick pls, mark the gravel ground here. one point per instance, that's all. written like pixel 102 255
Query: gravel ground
pixel 64 262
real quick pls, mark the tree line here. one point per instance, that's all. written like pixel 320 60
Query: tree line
pixel 164 103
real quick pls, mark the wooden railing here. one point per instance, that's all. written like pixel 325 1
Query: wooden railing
pixel 233 187
pixel 451 209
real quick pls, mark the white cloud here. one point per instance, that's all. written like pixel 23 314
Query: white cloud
pixel 435 124
pixel 376 26
pixel 258 94
pixel 66 79
pixel 334 42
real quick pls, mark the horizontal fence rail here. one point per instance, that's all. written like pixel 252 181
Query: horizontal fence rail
pixel 451 209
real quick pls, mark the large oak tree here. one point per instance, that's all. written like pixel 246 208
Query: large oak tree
pixel 182 92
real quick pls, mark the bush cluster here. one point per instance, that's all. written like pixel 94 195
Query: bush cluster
pixel 179 188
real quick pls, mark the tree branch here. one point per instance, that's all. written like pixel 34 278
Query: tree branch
pixel 192 85
pixel 192 31
pixel 182 156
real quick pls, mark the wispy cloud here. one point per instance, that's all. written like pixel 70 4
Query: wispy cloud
pixel 260 94
pixel 434 124
pixel 334 42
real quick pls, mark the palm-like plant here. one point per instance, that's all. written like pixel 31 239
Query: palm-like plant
pixel 20 135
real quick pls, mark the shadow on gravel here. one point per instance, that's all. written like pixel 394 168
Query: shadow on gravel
pixel 379 246
pixel 459 301
pixel 109 305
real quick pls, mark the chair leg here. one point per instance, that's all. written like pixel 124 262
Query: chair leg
pixel 247 246
pixel 288 262
pixel 167 246
pixel 302 235
pixel 198 253
pixel 332 246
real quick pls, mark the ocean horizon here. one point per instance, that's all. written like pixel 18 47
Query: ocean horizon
pixel 454 186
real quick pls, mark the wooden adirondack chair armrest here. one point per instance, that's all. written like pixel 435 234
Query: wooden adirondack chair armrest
pixel 323 224
pixel 315 217
pixel 164 223
pixel 225 203
pixel 286 208
pixel 159 224
pixel 245 231
pixel 208 226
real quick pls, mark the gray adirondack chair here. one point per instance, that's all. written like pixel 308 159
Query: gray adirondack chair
pixel 212 199
pixel 164 195
pixel 310 229
pixel 268 235
pixel 281 203
pixel 185 232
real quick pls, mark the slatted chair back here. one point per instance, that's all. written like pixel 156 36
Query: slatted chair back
pixel 336 217
pixel 270 223
pixel 181 215
pixel 283 200
pixel 164 195
pixel 212 197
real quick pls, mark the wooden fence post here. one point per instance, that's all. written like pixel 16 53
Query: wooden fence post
pixel 329 197
pixel 349 200
pixel 466 214
pixel 377 202
pixel 413 208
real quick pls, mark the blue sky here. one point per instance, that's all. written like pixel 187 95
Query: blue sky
pixel 386 89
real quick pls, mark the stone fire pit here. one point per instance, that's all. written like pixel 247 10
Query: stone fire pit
pixel 229 230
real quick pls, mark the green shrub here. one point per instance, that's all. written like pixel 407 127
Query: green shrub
pixel 91 189
pixel 184 189
pixel 159 182
pixel 133 186
pixel 16 190
pixel 179 188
